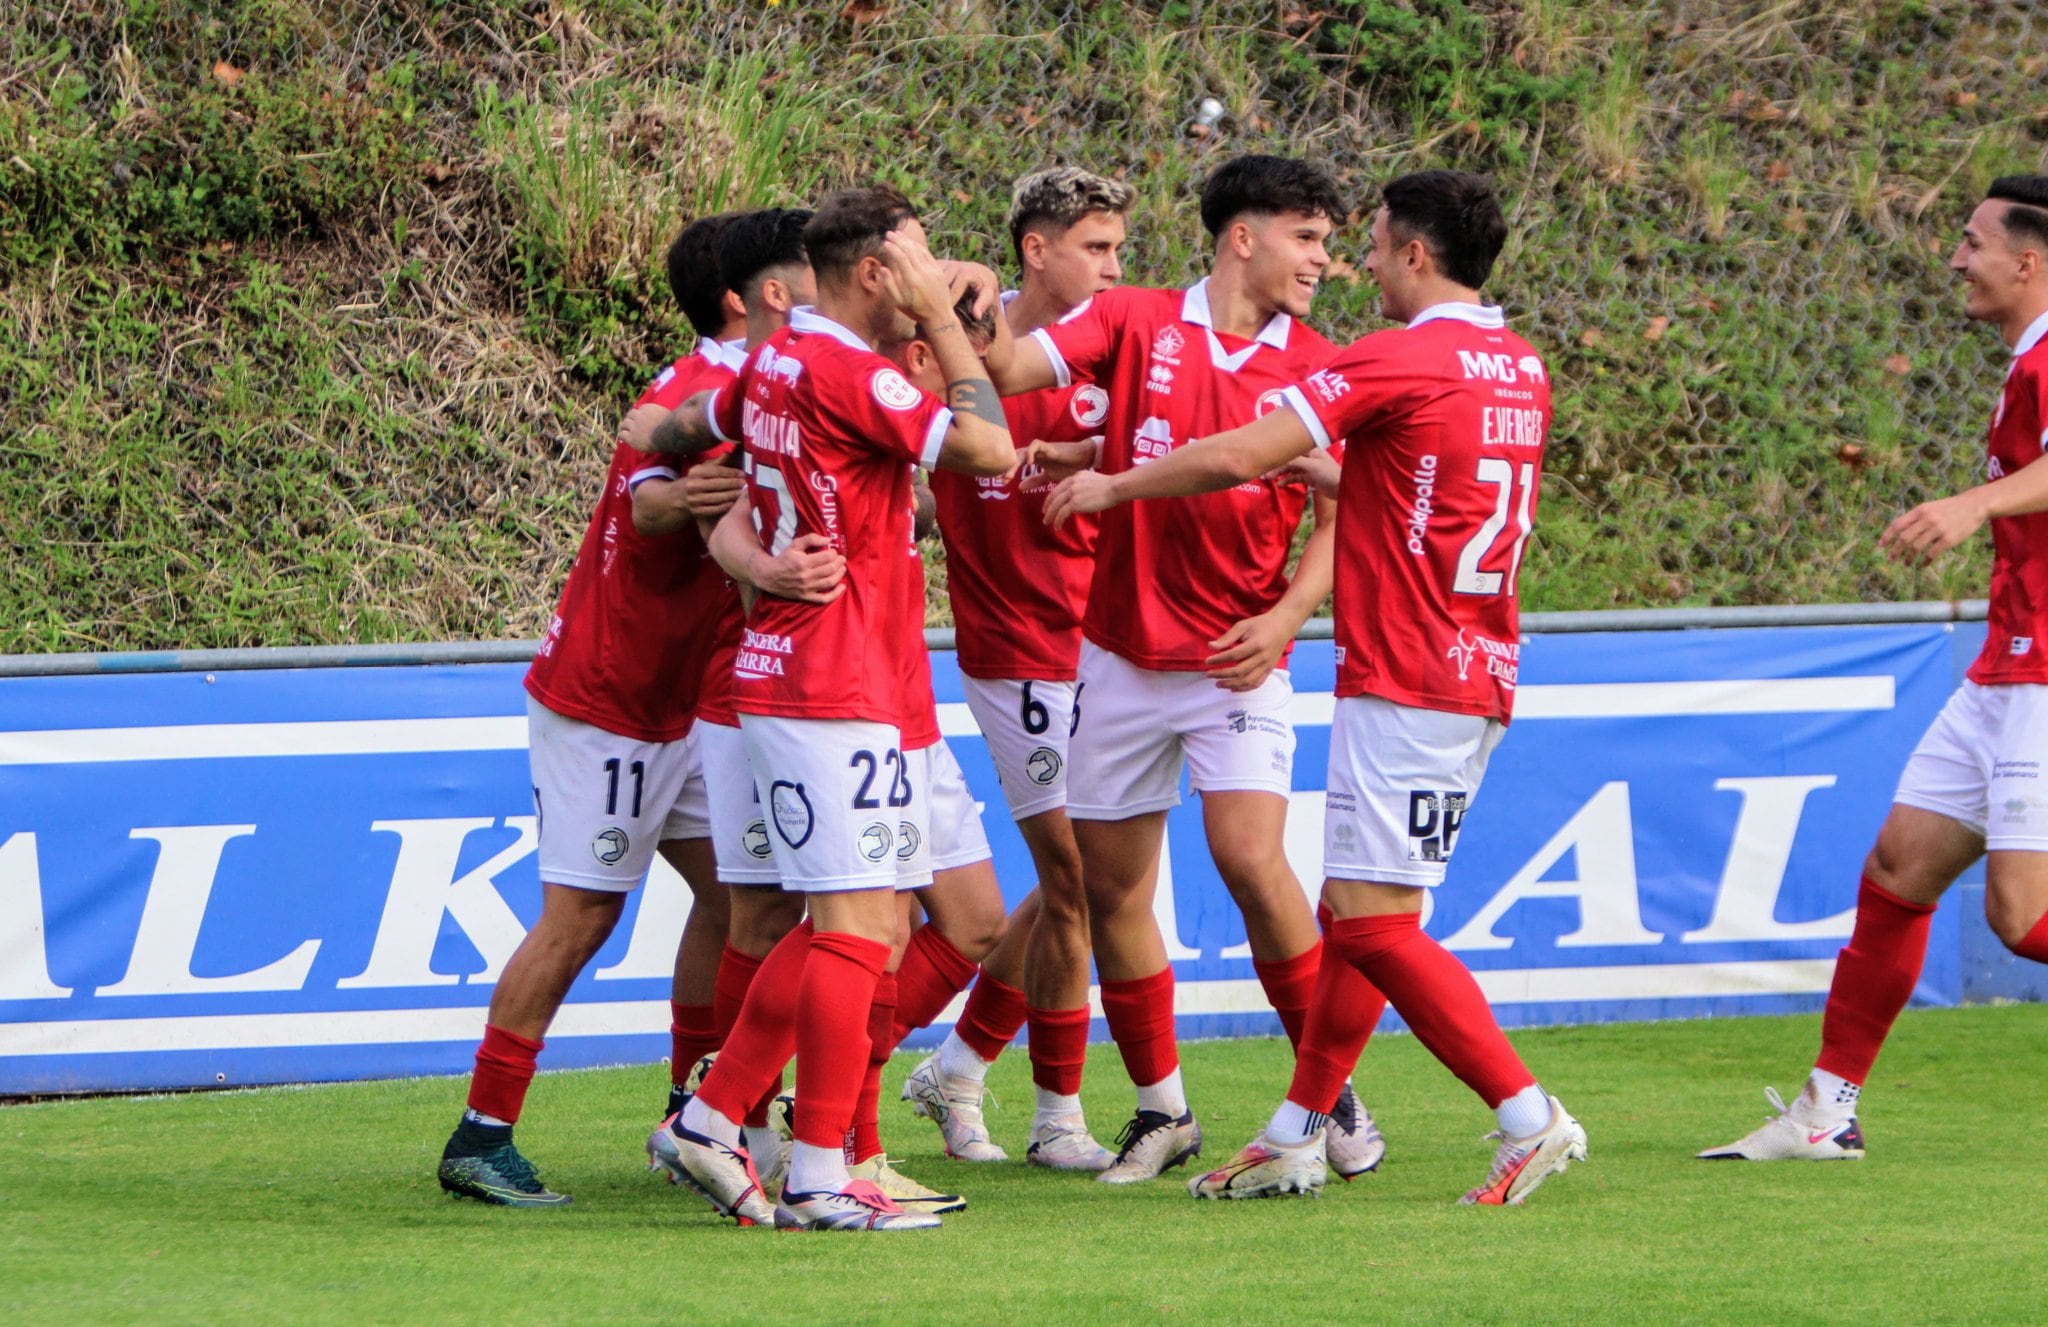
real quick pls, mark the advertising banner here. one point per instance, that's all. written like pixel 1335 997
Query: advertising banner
pixel 268 876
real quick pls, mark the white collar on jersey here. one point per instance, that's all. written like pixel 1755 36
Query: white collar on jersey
pixel 1194 308
pixel 1479 315
pixel 2031 337
pixel 723 354
pixel 804 318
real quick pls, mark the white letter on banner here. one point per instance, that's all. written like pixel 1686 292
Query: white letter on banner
pixel 188 859
pixel 1747 905
pixel 1610 913
pixel 24 959
pixel 657 927
pixel 425 888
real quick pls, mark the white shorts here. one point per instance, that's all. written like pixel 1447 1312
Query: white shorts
pixel 1984 762
pixel 1134 727
pixel 846 809
pixel 1027 725
pixel 957 836
pixel 739 829
pixel 1401 782
pixel 605 801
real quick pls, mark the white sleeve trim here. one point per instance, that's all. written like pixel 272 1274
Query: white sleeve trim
pixel 645 473
pixel 1062 375
pixel 711 415
pixel 1293 396
pixel 935 437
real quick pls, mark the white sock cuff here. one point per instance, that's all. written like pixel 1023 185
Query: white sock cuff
pixel 1526 1113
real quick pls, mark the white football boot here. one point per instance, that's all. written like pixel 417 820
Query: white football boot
pixel 1066 1144
pixel 907 1192
pixel 1351 1141
pixel 723 1175
pixel 1152 1144
pixel 954 1104
pixel 1520 1164
pixel 1263 1168
pixel 1795 1133
pixel 858 1206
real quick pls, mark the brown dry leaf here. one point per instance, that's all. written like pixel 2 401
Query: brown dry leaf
pixel 439 172
pixel 1795 220
pixel 962 196
pixel 1658 326
pixel 1964 99
pixel 1029 117
pixel 864 11
pixel 1778 170
pixel 1590 337
pixel 1339 270
pixel 1853 456
pixel 1763 112
pixel 226 73
pixel 1898 365
pixel 1736 101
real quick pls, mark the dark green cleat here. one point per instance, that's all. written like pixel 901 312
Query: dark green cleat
pixel 481 1163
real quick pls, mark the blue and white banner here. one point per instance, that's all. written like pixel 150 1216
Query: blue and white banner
pixel 251 877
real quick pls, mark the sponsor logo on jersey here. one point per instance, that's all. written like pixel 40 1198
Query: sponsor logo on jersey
pixel 1160 379
pixel 874 840
pixel 907 840
pixel 761 654
pixel 1244 721
pixel 784 367
pixel 1488 365
pixel 1043 765
pixel 1994 468
pixel 1433 822
pixel 790 806
pixel 893 391
pixel 2022 644
pixel 1089 405
pixel 1503 658
pixel 754 838
pixel 996 488
pixel 1422 504
pixel 1328 386
pixel 1154 440
pixel 2016 811
pixel 610 845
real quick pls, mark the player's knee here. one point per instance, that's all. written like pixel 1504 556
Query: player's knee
pixel 1063 909
pixel 2012 919
pixel 1261 881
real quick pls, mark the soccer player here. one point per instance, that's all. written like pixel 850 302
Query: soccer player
pixel 827 694
pixel 1447 417
pixel 1018 590
pixel 612 691
pixel 1972 786
pixel 1190 618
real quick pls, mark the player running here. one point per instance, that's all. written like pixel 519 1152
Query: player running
pixel 1190 618
pixel 827 694
pixel 1972 786
pixel 612 692
pixel 1018 590
pixel 1447 418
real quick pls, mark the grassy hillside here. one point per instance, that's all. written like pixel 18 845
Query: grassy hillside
pixel 315 316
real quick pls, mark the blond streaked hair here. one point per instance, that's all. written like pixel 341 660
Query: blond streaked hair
pixel 1059 196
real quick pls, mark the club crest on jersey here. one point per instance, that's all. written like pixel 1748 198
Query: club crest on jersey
pixel 907 840
pixel 1433 822
pixel 874 840
pixel 790 807
pixel 1043 765
pixel 1089 406
pixel 754 838
pixel 1168 344
pixel 893 391
pixel 2022 644
pixel 610 845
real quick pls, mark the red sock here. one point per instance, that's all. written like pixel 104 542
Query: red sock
pixel 864 1139
pixel 736 973
pixel 750 1063
pixel 692 1035
pixel 1438 997
pixel 1874 977
pixel 1289 983
pixel 1140 1015
pixel 1059 1048
pixel 836 995
pixel 933 972
pixel 504 1068
pixel 995 1014
pixel 2034 944
pixel 1341 1016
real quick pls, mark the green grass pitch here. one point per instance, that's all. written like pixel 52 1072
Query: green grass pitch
pixel 319 1204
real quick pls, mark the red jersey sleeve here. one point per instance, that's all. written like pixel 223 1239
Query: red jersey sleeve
pixel 873 402
pixel 1367 383
pixel 1083 344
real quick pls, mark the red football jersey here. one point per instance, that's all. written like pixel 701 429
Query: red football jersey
pixel 626 649
pixel 1447 419
pixel 2016 648
pixel 1171 575
pixel 832 434
pixel 1019 587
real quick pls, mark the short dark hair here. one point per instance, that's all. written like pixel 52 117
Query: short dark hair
pixel 1267 186
pixel 1055 198
pixel 980 328
pixel 2026 212
pixel 1455 215
pixel 694 276
pixel 757 241
pixel 849 226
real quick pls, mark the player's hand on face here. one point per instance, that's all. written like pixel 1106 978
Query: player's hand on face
pixel 1316 472
pixel 961 274
pixel 1247 654
pixel 1933 528
pixel 915 281
pixel 637 430
pixel 1079 495
pixel 810 570
pixel 1047 463
pixel 710 490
